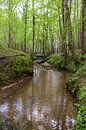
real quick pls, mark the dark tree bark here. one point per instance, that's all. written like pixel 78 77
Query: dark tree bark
pixel 69 29
pixel 33 25
pixel 64 32
pixel 83 37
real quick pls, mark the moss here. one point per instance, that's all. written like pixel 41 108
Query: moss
pixel 22 65
pixel 10 52
pixel 14 65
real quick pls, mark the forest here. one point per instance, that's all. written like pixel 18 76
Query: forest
pixel 36 37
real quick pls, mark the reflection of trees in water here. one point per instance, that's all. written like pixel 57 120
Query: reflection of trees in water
pixel 45 102
pixel 11 124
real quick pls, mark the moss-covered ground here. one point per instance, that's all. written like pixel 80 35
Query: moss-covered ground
pixel 14 65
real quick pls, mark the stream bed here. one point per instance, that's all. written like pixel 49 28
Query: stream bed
pixel 41 103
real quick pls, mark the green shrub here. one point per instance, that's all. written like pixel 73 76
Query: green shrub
pixel 56 60
pixel 77 57
pixel 81 95
pixel 83 57
pixel 3 78
pixel 22 65
pixel 72 83
pixel 14 65
pixel 82 69
pixel 81 109
pixel 77 86
pixel 71 67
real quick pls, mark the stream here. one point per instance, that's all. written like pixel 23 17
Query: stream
pixel 42 103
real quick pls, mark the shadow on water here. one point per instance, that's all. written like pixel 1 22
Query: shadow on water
pixel 42 103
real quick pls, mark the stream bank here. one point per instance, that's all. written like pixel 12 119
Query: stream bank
pixel 76 84
pixel 14 65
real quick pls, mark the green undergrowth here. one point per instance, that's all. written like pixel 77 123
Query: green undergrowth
pixel 21 65
pixel 14 66
pixel 56 60
pixel 4 52
pixel 76 83
pixel 72 66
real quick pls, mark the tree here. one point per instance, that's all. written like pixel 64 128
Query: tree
pixel 33 15
pixel 10 23
pixel 83 26
pixel 25 25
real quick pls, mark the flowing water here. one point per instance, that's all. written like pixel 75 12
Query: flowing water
pixel 42 103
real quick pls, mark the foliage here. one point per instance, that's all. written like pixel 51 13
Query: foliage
pixel 14 65
pixel 83 57
pixel 77 85
pixel 3 78
pixel 81 109
pixel 82 69
pixel 17 18
pixel 22 65
pixel 5 52
pixel 71 67
pixel 56 60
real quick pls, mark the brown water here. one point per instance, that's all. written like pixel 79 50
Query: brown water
pixel 42 103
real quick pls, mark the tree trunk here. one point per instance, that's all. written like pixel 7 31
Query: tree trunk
pixel 69 30
pixel 33 25
pixel 25 25
pixel 83 26
pixel 9 22
pixel 64 32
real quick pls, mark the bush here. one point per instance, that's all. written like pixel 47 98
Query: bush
pixel 82 69
pixel 14 65
pixel 71 67
pixel 81 109
pixel 83 57
pixel 22 65
pixel 56 60
pixel 3 78
pixel 72 83
pixel 77 86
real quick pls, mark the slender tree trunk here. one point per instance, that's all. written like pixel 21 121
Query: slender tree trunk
pixel 43 29
pixel 69 30
pixel 64 32
pixel 83 26
pixel 43 39
pixel 33 25
pixel 25 25
pixel 9 22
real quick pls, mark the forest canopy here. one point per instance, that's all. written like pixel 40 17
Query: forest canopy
pixel 40 25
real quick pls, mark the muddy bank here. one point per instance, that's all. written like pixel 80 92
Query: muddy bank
pixel 12 87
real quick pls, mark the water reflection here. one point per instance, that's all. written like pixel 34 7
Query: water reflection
pixel 42 103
